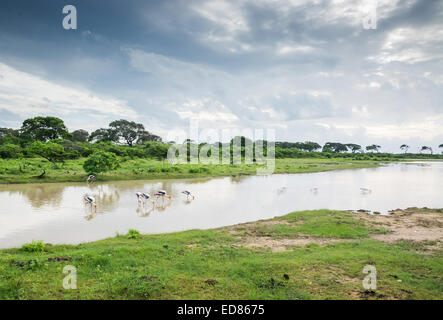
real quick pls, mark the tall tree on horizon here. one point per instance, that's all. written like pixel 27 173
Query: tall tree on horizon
pixel 373 147
pixel 335 147
pixel 404 147
pixel 354 147
pixel 424 148
pixel 43 129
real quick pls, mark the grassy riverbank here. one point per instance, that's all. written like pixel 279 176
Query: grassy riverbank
pixel 303 255
pixel 29 170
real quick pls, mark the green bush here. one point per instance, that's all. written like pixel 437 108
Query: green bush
pixel 101 161
pixel 34 246
pixel 9 150
pixel 199 170
pixel 154 169
pixel 50 151
pixel 133 234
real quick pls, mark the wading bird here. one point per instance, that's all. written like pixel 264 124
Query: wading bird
pixel 91 178
pixel 142 197
pixel 162 193
pixel 90 200
pixel 188 194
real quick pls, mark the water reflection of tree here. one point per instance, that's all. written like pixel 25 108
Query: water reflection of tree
pixel 237 179
pixel 39 195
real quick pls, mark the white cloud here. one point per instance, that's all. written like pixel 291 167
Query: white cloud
pixel 290 48
pixel 412 45
pixel 27 95
pixel 227 15
pixel 206 110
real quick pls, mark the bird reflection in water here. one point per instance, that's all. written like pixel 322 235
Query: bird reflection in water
pixel 145 204
pixel 145 211
pixel 163 204
pixel 162 201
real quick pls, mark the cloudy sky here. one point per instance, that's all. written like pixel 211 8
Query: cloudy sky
pixel 307 68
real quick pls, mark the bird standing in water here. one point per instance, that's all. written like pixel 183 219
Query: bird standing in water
pixel 188 194
pixel 142 197
pixel 91 178
pixel 162 193
pixel 90 200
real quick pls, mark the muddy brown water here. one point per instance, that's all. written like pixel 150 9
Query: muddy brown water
pixel 56 213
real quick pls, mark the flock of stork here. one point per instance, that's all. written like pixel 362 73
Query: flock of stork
pixel 142 197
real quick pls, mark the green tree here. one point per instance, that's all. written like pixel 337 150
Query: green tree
pixel 53 152
pixel 156 150
pixel 310 146
pixel 145 136
pixel 426 148
pixel 80 135
pixel 43 129
pixel 103 135
pixel 129 131
pixel 101 161
pixel 373 147
pixel 8 135
pixel 9 150
pixel 305 146
pixel 334 147
pixel 404 147
pixel 441 147
pixel 354 147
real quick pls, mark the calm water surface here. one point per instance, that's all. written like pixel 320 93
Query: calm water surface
pixel 55 213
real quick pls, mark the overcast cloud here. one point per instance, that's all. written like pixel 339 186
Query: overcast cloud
pixel 306 68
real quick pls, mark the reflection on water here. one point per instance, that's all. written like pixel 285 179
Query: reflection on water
pixel 56 213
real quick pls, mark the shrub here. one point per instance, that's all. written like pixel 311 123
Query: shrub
pixel 199 170
pixel 101 161
pixel 9 150
pixel 50 151
pixel 153 169
pixel 34 246
pixel 133 234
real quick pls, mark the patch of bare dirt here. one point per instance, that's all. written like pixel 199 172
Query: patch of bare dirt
pixel 249 236
pixel 278 245
pixel 416 225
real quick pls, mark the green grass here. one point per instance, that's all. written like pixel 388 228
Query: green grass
pixel 29 170
pixel 211 264
pixel 330 224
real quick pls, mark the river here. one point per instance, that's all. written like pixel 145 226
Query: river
pixel 56 212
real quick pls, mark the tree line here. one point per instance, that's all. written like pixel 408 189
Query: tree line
pixel 49 138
